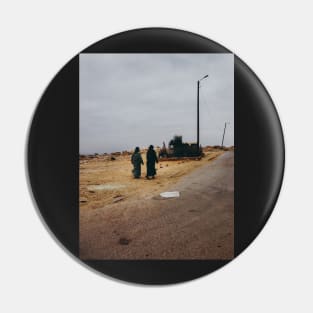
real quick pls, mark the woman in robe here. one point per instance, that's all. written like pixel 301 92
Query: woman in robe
pixel 136 160
pixel 151 160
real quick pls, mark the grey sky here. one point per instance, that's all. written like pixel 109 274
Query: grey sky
pixel 129 100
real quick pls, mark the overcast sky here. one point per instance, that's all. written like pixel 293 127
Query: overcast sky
pixel 129 100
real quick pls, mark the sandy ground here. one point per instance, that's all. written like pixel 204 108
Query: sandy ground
pixel 104 181
pixel 131 220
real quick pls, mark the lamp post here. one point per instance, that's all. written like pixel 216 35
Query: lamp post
pixel 198 130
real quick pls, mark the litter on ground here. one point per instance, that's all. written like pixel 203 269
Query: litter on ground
pixel 170 194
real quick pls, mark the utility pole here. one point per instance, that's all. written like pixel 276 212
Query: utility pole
pixel 198 129
pixel 224 134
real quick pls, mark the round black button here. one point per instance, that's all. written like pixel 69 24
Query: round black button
pixel 208 184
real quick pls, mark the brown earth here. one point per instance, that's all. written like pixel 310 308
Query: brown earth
pixel 104 181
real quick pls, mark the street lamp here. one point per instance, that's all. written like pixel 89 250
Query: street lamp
pixel 198 131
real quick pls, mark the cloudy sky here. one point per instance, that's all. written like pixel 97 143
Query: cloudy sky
pixel 129 100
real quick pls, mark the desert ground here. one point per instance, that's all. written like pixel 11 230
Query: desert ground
pixel 126 218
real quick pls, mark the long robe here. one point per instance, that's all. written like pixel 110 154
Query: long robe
pixel 151 160
pixel 136 160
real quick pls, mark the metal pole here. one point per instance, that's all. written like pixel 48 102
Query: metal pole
pixel 224 134
pixel 198 135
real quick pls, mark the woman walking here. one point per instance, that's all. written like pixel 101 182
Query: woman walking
pixel 136 160
pixel 151 160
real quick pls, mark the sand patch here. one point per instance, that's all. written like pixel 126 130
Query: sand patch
pixel 104 181
pixel 106 187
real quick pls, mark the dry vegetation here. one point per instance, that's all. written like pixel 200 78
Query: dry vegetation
pixel 106 179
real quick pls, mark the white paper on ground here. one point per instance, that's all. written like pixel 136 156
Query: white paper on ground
pixel 170 194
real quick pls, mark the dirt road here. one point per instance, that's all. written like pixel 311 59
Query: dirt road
pixel 197 225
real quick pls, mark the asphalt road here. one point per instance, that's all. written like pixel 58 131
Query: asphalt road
pixel 197 225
